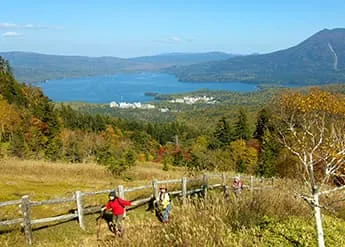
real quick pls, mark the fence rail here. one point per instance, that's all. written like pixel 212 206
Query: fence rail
pixel 26 204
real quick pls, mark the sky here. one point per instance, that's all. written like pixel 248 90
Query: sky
pixel 144 27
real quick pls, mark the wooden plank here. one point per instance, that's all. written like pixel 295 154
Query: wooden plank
pixel 138 188
pixel 223 179
pixel 91 210
pixel 120 191
pixel 212 186
pixel 177 192
pixel 97 192
pixel 184 190
pixel 52 201
pixel 142 201
pixel 26 219
pixel 79 199
pixel 11 222
pixel 56 218
pixel 155 189
pixel 194 191
pixel 9 203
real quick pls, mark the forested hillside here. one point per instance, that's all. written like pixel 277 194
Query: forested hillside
pixel 238 134
pixel 319 59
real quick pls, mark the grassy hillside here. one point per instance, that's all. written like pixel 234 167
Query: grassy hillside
pixel 317 60
pixel 273 217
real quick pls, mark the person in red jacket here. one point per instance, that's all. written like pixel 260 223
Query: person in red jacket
pixel 117 206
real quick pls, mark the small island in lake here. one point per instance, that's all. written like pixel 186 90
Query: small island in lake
pixel 152 94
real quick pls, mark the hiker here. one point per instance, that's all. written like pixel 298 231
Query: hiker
pixel 117 206
pixel 237 185
pixel 164 202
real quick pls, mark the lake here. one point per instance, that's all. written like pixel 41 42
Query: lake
pixel 129 87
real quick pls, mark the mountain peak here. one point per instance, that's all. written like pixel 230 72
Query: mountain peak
pixel 317 60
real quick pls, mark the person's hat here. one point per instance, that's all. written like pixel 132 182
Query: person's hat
pixel 112 193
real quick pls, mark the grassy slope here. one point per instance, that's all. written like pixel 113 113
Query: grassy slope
pixel 43 180
pixel 268 218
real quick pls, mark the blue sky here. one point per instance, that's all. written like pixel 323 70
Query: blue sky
pixel 137 28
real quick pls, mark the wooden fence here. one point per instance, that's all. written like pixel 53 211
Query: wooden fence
pixel 26 204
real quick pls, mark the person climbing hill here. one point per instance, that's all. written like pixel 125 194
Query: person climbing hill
pixel 117 206
pixel 164 202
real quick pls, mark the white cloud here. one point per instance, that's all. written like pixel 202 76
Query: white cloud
pixel 7 25
pixel 27 26
pixel 174 39
pixel 11 34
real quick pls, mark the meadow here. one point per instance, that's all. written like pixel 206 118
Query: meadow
pixel 267 217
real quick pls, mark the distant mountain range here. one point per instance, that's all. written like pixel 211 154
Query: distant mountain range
pixel 319 59
pixel 34 67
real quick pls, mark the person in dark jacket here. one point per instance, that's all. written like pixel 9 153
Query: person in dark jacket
pixel 117 206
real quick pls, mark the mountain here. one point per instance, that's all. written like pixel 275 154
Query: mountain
pixel 319 59
pixel 184 58
pixel 33 67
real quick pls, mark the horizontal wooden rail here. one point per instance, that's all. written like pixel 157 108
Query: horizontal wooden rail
pixel 214 186
pixel 177 192
pixel 97 192
pixel 52 201
pixel 11 222
pixel 9 203
pixel 143 201
pixel 194 191
pixel 53 219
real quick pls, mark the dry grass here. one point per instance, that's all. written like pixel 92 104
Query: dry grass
pixel 45 180
pixel 42 180
pixel 270 217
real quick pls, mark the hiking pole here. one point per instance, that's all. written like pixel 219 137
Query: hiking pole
pixel 100 218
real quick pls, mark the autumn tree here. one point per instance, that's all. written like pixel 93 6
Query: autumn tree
pixel 312 127
pixel 244 157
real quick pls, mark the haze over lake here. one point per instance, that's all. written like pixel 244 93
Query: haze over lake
pixel 129 87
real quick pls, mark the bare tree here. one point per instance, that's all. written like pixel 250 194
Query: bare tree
pixel 312 127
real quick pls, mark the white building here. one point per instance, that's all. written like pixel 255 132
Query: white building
pixel 113 104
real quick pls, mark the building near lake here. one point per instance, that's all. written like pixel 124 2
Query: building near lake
pixel 135 105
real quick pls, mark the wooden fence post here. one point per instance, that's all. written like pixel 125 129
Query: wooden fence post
pixel 184 190
pixel 205 184
pixel 251 184
pixel 79 199
pixel 224 183
pixel 155 189
pixel 26 219
pixel 223 176
pixel 121 193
